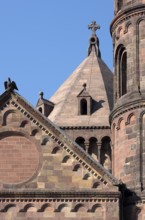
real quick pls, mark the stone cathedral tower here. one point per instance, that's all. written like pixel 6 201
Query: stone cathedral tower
pixel 78 156
pixel 128 116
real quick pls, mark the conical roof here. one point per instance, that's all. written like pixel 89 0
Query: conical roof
pixel 99 85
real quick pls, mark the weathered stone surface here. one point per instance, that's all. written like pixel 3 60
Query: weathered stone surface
pixel 99 81
pixel 43 178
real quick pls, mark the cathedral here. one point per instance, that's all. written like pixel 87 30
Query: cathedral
pixel 81 154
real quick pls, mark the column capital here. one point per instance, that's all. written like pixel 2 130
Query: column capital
pixel 87 145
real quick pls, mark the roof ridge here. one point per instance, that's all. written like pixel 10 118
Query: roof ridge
pixel 100 62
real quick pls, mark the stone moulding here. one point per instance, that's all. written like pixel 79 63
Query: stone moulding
pixel 22 201
pixel 136 199
pixel 59 196
pixel 126 108
pixel 84 127
pixel 126 14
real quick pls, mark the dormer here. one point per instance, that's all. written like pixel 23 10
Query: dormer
pixel 44 106
pixel 84 102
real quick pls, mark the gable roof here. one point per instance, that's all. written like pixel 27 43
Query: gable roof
pixel 42 101
pixel 58 136
pixel 84 92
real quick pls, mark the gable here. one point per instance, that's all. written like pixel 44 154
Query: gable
pixel 52 159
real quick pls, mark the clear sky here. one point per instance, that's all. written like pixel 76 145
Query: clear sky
pixel 43 41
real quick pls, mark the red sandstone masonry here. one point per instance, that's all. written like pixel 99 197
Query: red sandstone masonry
pixel 53 175
pixel 20 161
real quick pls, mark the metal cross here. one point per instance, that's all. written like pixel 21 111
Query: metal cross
pixel 93 26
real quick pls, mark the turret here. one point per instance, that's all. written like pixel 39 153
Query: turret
pixel 120 5
pixel 128 116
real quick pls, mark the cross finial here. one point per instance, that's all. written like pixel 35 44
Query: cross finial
pixel 93 26
pixel 84 85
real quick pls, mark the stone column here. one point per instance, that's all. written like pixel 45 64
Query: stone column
pixel 87 144
pixel 99 151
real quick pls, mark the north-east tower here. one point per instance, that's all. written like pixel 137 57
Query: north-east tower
pixel 128 116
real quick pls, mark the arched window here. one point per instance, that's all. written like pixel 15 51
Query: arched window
pixel 93 149
pixel 121 70
pixel 106 154
pixel 77 167
pixel 81 141
pixel 40 109
pixel 119 4
pixel 83 106
pixel 123 73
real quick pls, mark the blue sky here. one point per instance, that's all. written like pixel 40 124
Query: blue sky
pixel 43 41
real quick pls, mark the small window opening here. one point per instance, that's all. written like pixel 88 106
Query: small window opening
pixel 83 107
pixel 120 4
pixel 81 141
pixel 40 109
pixel 123 73
pixel 93 149
pixel 106 154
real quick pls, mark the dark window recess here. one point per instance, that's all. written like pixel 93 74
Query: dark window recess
pixel 123 73
pixel 83 107
pixel 119 4
pixel 93 148
pixel 81 141
pixel 40 109
pixel 106 154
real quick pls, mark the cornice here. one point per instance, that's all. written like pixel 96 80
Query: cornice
pixel 62 140
pixel 120 110
pixel 126 14
pixel 136 199
pixel 85 127
pixel 58 196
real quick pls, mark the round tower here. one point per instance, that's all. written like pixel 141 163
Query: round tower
pixel 120 5
pixel 128 116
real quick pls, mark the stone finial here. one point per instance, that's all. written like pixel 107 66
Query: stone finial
pixel 84 85
pixel 41 94
pixel 94 27
pixel 94 41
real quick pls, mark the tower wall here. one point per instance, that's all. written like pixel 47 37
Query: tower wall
pixel 128 33
pixel 127 117
pixel 126 4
